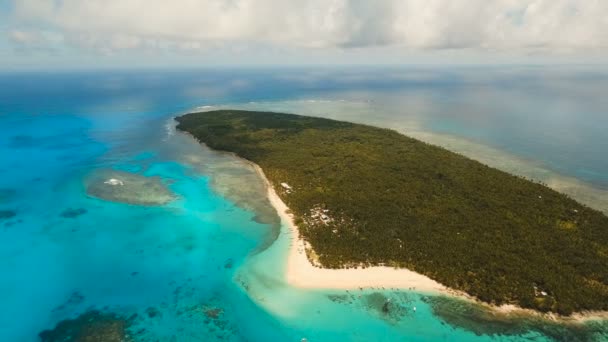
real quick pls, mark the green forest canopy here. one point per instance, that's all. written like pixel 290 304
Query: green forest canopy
pixel 372 196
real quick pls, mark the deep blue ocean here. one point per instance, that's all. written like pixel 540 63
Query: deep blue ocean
pixel 208 263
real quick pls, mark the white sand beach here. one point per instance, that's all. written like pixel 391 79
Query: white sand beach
pixel 302 273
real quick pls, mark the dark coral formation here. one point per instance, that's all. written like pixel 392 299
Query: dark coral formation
pixel 72 213
pixel 152 312
pixel 341 299
pixel 76 298
pixel 393 308
pixel 213 313
pixel 6 195
pixel 92 326
pixel 483 321
pixel 7 214
pixel 22 141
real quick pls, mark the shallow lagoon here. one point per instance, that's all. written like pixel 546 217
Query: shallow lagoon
pixel 208 264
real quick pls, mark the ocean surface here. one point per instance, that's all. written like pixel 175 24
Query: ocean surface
pixel 191 250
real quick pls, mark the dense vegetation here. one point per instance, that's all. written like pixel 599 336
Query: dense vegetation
pixel 366 195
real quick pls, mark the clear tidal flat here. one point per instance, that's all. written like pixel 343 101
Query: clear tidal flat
pixel 208 264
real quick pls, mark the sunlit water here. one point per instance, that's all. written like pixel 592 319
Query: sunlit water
pixel 199 254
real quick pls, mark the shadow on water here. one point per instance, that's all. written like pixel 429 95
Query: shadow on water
pixel 481 321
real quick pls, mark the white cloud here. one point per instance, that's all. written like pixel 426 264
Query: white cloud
pixel 521 25
pixel 34 39
pixel 22 37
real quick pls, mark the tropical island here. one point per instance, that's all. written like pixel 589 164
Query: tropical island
pixel 367 196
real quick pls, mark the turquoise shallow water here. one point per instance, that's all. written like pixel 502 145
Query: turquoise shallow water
pixel 207 266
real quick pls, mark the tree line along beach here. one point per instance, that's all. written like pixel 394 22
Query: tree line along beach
pixel 362 196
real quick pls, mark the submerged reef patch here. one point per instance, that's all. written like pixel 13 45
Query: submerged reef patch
pixel 92 326
pixel 213 312
pixel 76 298
pixel 186 309
pixel 125 187
pixel 391 307
pixel 7 214
pixel 23 141
pixel 342 298
pixel 6 195
pixel 72 213
pixel 238 182
pixel 152 312
pixel 481 320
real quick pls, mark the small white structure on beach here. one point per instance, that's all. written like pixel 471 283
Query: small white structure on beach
pixel 114 181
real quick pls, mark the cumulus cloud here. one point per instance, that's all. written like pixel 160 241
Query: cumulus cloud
pixel 522 25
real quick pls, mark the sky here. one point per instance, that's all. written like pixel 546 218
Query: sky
pixel 73 34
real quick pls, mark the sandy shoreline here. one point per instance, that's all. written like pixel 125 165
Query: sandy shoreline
pixel 300 272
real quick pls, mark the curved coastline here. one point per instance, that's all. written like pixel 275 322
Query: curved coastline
pixel 301 272
pixel 582 191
